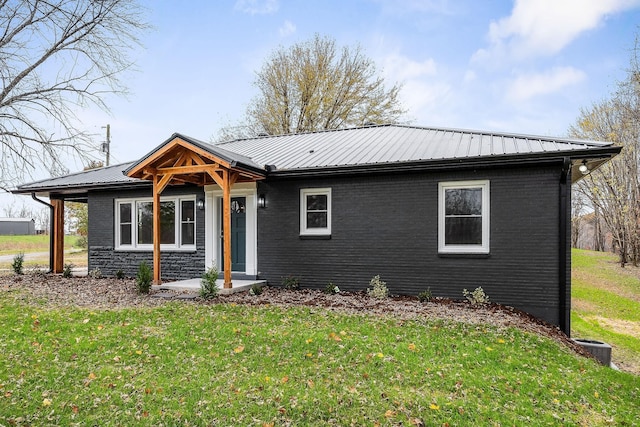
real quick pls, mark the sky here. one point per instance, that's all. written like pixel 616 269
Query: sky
pixel 525 66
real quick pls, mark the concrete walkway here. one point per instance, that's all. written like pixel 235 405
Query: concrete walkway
pixel 193 285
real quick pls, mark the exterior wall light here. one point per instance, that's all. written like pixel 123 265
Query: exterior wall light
pixel 262 201
pixel 200 204
pixel 583 168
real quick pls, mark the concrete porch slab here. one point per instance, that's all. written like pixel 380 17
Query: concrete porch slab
pixel 193 285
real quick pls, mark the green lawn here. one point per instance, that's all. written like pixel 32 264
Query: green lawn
pixel 10 245
pixel 606 304
pixel 224 364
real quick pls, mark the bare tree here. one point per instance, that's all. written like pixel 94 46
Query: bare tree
pixel 614 190
pixel 312 86
pixel 577 218
pixel 13 211
pixel 56 57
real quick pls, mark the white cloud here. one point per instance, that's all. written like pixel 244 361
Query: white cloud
pixel 257 7
pixel 402 7
pixel 423 92
pixel 544 27
pixel 531 85
pixel 398 67
pixel 287 29
pixel 469 76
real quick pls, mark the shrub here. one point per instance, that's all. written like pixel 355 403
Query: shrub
pixel 120 274
pixel 208 286
pixel 425 296
pixel 291 283
pixel 143 278
pixel 331 289
pixel 66 271
pixel 256 290
pixel 96 273
pixel 476 297
pixel 378 288
pixel 81 242
pixel 18 263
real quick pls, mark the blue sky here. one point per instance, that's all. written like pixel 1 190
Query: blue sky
pixel 523 66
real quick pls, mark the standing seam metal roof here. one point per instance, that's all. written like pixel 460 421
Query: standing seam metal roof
pixel 394 143
pixel 369 145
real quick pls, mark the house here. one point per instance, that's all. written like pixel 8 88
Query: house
pixel 444 209
pixel 17 226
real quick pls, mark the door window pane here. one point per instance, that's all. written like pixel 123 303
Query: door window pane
pixel 187 229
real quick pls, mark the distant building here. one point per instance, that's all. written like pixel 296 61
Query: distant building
pixel 17 226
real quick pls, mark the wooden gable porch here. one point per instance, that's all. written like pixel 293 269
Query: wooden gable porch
pixel 180 161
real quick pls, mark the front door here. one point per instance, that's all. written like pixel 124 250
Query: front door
pixel 238 234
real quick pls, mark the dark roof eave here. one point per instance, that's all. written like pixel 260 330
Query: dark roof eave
pixel 76 189
pixel 456 163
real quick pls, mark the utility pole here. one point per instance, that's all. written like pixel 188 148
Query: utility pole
pixel 106 146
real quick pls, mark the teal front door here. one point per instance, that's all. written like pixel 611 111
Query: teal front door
pixel 238 234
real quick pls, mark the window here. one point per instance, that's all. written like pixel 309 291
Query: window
pixel 134 223
pixel 463 217
pixel 315 211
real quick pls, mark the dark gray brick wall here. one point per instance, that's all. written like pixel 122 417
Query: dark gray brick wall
pixel 388 225
pixel 101 238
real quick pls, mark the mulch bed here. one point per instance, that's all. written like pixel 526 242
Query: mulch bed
pixel 108 293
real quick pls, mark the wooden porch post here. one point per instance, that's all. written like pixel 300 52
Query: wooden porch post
pixel 226 220
pixel 57 234
pixel 156 231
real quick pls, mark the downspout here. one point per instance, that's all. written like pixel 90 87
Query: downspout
pixel 564 285
pixel 33 196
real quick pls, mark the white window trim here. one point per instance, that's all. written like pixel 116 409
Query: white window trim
pixel 134 246
pixel 304 230
pixel 462 249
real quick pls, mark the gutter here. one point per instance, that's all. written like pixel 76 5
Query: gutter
pixel 564 317
pixel 444 164
pixel 33 196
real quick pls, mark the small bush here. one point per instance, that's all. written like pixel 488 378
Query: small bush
pixel 476 297
pixel 255 290
pixel 66 271
pixel 378 288
pixel 120 274
pixel 208 286
pixel 143 278
pixel 291 282
pixel 81 242
pixel 425 296
pixel 331 289
pixel 96 273
pixel 18 263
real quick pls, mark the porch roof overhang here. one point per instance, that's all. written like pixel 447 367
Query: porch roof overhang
pixel 181 159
